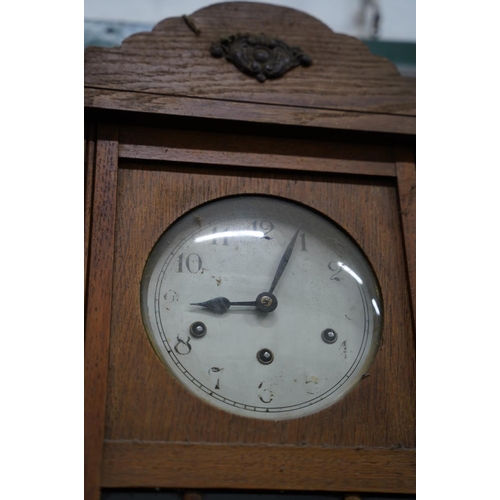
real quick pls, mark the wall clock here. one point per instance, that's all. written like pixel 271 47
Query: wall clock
pixel 249 259
pixel 252 354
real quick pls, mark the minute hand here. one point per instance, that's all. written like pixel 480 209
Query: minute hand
pixel 284 261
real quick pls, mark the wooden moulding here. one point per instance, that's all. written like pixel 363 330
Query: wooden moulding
pixel 179 465
pixel 166 105
pixel 406 175
pixel 89 165
pixel 253 160
pixel 98 307
pixel 170 71
pixel 251 152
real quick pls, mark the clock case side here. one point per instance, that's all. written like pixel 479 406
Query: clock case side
pixel 100 212
pixel 113 116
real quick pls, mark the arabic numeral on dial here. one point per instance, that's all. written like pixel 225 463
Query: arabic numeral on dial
pixel 265 394
pixel 182 347
pixel 216 369
pixel 192 263
pixel 265 226
pixel 335 268
pixel 224 238
pixel 303 238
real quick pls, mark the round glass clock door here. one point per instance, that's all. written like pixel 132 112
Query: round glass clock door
pixel 261 307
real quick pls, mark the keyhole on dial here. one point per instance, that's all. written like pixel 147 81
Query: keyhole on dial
pixel 329 335
pixel 198 329
pixel 265 356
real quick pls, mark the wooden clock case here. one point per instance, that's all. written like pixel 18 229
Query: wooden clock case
pixel 168 127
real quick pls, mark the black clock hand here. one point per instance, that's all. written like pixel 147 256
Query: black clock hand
pixel 265 302
pixel 284 261
pixel 221 304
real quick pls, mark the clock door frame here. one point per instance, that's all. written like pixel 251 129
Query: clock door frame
pixel 109 145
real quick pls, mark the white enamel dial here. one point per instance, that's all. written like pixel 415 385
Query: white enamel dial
pixel 261 307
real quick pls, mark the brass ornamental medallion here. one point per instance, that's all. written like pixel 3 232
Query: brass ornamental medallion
pixel 260 56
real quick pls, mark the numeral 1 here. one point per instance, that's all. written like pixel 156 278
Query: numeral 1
pixel 303 238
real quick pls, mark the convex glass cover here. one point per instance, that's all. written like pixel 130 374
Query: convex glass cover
pixel 261 307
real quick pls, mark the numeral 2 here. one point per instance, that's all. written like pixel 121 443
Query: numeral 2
pixel 264 226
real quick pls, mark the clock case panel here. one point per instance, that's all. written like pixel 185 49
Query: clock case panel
pixel 152 422
pixel 150 402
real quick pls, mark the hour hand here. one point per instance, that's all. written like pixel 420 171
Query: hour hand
pixel 220 304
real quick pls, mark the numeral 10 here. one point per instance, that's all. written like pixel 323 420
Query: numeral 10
pixel 192 263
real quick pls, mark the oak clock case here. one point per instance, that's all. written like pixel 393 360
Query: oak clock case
pixel 261 307
pixel 192 382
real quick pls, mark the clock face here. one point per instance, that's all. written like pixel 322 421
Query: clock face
pixel 261 307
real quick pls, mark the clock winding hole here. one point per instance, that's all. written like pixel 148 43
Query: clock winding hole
pixel 198 329
pixel 329 335
pixel 265 356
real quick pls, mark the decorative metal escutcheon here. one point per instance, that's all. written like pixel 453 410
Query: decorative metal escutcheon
pixel 259 55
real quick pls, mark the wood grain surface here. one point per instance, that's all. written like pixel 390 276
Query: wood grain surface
pixel 98 312
pixel 163 105
pixel 89 166
pixel 174 61
pixel 406 175
pixel 142 427
pixel 265 152
pixel 146 403
pixel 181 465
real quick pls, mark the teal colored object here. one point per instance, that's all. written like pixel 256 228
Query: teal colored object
pixel 402 54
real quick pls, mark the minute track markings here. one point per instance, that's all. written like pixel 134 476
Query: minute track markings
pixel 311 402
pixel 164 321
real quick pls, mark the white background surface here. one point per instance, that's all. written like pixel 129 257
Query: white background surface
pixel 41 335
pixel 397 22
